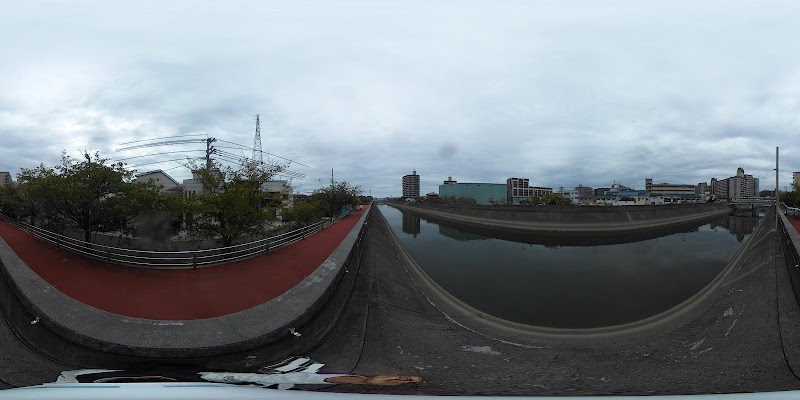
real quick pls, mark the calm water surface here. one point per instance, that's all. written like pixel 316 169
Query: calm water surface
pixel 571 286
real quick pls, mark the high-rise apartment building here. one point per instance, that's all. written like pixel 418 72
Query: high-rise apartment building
pixel 741 186
pixel 411 185
pixel 5 178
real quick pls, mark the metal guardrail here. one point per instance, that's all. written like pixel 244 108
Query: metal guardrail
pixel 174 259
pixel 792 211
pixel 790 244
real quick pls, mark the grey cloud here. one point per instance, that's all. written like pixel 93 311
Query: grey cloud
pixel 562 93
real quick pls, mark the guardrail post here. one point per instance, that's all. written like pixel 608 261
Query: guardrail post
pixel 108 256
pixel 267 249
pixel 194 261
pixel 304 231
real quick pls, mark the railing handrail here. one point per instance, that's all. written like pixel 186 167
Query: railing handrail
pixel 28 227
pixel 188 258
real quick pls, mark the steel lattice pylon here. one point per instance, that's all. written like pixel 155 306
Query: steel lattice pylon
pixel 258 154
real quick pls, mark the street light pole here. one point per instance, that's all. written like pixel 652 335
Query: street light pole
pixel 777 170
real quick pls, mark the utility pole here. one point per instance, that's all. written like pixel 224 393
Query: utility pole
pixel 332 182
pixel 777 188
pixel 209 151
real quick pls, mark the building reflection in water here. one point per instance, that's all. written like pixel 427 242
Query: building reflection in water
pixel 457 234
pixel 411 224
pixel 738 226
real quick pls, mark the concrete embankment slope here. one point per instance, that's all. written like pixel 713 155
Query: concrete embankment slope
pixel 77 334
pixel 728 340
pixel 570 219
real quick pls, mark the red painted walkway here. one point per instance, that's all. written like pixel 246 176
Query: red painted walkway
pixel 178 294
pixel 795 223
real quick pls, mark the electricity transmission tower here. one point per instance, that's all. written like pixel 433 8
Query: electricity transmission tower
pixel 258 153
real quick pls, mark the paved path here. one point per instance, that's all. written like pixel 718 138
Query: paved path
pixel 795 223
pixel 177 294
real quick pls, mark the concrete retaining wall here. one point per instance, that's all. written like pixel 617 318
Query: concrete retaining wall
pixel 77 334
pixel 574 219
pixel 682 314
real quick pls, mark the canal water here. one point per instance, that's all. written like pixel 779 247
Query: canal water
pixel 576 286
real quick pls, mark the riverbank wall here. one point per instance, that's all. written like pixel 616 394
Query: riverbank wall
pixel 569 219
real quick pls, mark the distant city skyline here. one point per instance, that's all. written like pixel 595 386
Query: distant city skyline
pixel 767 182
pixel 562 93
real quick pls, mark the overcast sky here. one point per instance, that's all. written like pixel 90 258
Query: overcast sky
pixel 563 93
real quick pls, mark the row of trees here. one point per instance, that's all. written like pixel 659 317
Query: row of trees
pixel 550 199
pixel 791 199
pixel 95 195
pixel 325 202
pixel 90 194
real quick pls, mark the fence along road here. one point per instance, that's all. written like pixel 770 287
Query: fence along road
pixel 171 293
pixel 173 259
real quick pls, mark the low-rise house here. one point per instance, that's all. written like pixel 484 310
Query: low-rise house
pixel 164 182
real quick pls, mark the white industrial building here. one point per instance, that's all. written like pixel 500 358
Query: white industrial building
pixel 163 182
pixel 668 188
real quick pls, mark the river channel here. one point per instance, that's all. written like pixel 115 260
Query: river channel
pixel 582 285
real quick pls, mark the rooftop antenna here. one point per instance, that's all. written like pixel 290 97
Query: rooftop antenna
pixel 258 154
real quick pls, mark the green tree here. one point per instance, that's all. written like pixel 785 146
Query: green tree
pixel 790 198
pixel 232 204
pixel 331 199
pixel 32 185
pixel 556 199
pixel 303 213
pixel 142 201
pixel 90 194
pixel 10 201
pixel 531 201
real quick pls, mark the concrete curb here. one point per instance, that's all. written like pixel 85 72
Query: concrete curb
pixel 68 330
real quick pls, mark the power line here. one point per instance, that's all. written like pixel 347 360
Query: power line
pixel 165 161
pixel 177 166
pixel 165 137
pixel 237 144
pixel 231 157
pixel 243 147
pixel 158 154
pixel 168 142
pixel 287 159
